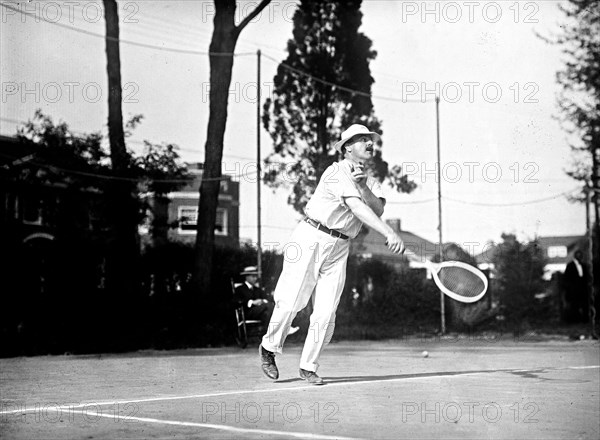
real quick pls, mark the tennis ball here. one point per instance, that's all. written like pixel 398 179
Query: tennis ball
pixel 425 354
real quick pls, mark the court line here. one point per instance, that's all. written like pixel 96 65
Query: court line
pixel 231 428
pixel 292 388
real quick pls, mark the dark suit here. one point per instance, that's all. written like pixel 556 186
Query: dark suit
pixel 576 289
pixel 263 312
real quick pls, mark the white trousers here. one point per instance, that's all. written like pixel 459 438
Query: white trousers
pixel 313 262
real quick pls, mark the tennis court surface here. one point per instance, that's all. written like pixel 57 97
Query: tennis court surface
pixel 466 388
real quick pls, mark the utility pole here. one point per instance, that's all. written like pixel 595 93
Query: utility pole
pixel 590 263
pixel 439 179
pixel 258 173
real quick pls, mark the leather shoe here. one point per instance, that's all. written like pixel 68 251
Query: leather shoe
pixel 311 377
pixel 268 365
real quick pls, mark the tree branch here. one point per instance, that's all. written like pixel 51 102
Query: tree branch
pixel 263 4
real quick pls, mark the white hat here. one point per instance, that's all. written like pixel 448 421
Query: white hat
pixel 353 130
pixel 249 270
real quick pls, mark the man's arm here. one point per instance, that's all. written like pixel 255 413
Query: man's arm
pixel 375 203
pixel 367 216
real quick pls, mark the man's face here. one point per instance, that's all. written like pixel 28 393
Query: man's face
pixel 360 148
pixel 252 279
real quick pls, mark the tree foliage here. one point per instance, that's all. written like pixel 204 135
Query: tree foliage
pixel 321 88
pixel 80 161
pixel 579 98
pixel 519 270
pixel 579 101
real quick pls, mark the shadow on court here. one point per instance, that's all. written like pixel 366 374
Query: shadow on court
pixel 353 379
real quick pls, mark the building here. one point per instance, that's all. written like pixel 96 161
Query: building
pixel 558 250
pixel 180 208
pixel 370 244
pixel 38 200
pixel 52 242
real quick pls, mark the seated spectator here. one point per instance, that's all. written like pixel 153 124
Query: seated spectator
pixel 253 298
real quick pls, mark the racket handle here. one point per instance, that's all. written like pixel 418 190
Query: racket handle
pixel 403 250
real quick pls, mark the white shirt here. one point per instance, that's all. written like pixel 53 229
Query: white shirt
pixel 328 204
pixel 578 266
pixel 251 287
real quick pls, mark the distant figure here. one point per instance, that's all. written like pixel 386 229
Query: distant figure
pixel 575 283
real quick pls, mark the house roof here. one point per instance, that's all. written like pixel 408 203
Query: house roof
pixel 569 242
pixel 12 151
pixel 373 245
pixel 196 170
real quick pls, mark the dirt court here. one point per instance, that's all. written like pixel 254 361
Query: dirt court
pixel 465 388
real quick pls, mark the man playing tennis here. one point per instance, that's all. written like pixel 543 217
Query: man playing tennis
pixel 344 199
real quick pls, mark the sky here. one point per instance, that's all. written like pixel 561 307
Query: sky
pixel 503 151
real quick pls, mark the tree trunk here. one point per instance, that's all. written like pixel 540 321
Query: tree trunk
pixel 122 246
pixel 118 152
pixel 223 41
pixel 222 46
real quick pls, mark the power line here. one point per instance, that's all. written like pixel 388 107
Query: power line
pixel 261 45
pixel 199 31
pixel 135 141
pixel 253 173
pixel 132 43
pixel 194 52
pixel 127 179
pixel 346 89
pixel 529 202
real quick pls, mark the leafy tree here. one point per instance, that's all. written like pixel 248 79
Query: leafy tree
pixel 519 270
pixel 313 101
pixel 579 102
pixel 160 171
pixel 81 162
pixel 222 47
pixel 579 98
pixel 77 160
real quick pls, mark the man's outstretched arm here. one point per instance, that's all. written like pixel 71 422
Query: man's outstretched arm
pixel 367 216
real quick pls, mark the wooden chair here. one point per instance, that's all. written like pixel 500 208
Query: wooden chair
pixel 245 327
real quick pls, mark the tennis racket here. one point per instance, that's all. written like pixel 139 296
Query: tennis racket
pixel 458 280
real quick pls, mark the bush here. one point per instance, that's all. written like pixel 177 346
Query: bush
pixel 180 317
pixel 519 270
pixel 391 303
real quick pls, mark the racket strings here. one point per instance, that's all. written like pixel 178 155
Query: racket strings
pixel 461 281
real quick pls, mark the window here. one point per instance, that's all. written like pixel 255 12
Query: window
pixel 221 222
pixel 188 219
pixel 557 251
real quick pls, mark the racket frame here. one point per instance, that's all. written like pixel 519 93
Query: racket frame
pixel 434 269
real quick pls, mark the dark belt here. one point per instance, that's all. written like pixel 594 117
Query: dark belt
pixel 325 229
